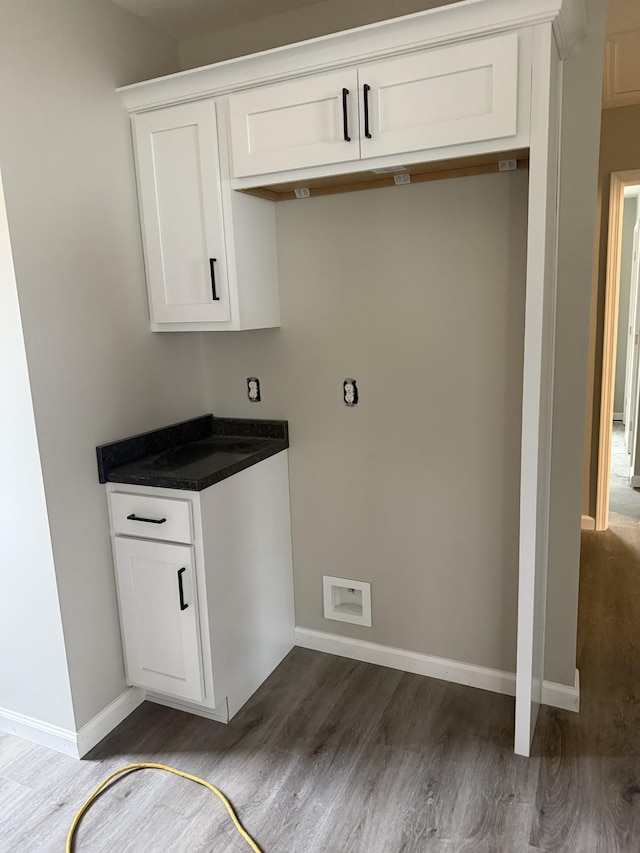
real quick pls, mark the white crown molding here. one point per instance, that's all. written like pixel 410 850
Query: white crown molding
pixel 497 681
pixel 430 28
pixel 569 26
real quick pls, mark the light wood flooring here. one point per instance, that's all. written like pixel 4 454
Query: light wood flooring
pixel 334 756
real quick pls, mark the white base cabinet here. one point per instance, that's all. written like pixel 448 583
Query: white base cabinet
pixel 204 622
pixel 159 616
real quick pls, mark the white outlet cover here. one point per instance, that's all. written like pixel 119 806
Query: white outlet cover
pixel 347 600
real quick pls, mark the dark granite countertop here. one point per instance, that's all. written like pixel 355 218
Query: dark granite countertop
pixel 193 454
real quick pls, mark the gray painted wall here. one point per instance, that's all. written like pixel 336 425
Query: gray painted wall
pixel 628 224
pixel 418 293
pixel 34 679
pixel 96 371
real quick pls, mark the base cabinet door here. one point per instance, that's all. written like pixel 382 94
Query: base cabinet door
pixel 159 617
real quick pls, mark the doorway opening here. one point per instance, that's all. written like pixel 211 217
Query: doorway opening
pixel 618 480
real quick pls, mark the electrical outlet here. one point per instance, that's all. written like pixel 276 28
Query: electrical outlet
pixel 350 392
pixel 253 389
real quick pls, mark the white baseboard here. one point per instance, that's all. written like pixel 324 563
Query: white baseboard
pixel 67 741
pixel 588 522
pixel 106 721
pixel 37 731
pixel 562 695
pixel 471 675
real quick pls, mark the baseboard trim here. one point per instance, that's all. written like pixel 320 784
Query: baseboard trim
pixel 588 522
pixel 618 416
pixel 37 731
pixel 635 481
pixel 66 741
pixel 107 720
pixel 562 695
pixel 471 675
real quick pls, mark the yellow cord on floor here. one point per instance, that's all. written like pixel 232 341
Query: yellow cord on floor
pixel 252 844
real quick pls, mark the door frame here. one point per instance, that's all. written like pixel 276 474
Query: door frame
pixel 619 180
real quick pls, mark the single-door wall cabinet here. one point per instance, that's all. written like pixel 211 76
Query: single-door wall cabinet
pixel 210 254
pixel 477 82
pixel 205 586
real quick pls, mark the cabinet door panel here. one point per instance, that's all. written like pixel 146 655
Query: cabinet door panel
pixel 162 641
pixel 181 210
pixel 447 96
pixel 296 124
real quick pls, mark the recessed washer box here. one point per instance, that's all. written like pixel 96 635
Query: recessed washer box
pixel 347 600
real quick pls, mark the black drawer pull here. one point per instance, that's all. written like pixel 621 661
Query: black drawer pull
pixel 345 119
pixel 134 517
pixel 366 89
pixel 183 606
pixel 212 267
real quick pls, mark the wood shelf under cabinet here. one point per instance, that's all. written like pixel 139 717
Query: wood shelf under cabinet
pixel 484 164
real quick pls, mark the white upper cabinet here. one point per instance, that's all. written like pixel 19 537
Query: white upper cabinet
pixel 437 98
pixel 196 236
pixel 290 125
pixel 181 201
pixel 428 99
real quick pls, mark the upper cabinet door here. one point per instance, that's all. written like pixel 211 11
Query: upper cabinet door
pixel 440 97
pixel 181 210
pixel 310 121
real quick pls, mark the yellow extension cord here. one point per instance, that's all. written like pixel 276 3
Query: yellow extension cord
pixel 252 844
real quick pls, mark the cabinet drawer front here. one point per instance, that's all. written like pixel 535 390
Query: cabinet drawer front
pixel 447 96
pixel 293 125
pixel 150 517
pixel 159 615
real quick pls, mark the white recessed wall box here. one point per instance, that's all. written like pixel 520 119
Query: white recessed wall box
pixel 347 600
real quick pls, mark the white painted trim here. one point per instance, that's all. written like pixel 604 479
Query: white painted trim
pixel 37 731
pixel 199 711
pixel 588 522
pixel 562 695
pixel 618 416
pixel 635 481
pixel 471 675
pixel 73 744
pixel 467 19
pixel 107 720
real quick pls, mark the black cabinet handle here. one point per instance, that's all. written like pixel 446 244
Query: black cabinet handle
pixel 183 606
pixel 366 90
pixel 345 120
pixel 212 267
pixel 134 517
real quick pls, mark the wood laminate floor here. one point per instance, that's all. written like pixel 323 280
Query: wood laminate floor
pixel 335 756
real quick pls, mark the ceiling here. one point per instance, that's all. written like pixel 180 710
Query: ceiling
pixel 186 18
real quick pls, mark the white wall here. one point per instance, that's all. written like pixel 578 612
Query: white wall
pixel 97 373
pixel 418 293
pixel 626 253
pixel 34 680
pixel 326 16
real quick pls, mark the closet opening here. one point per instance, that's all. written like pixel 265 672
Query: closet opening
pixel 618 484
